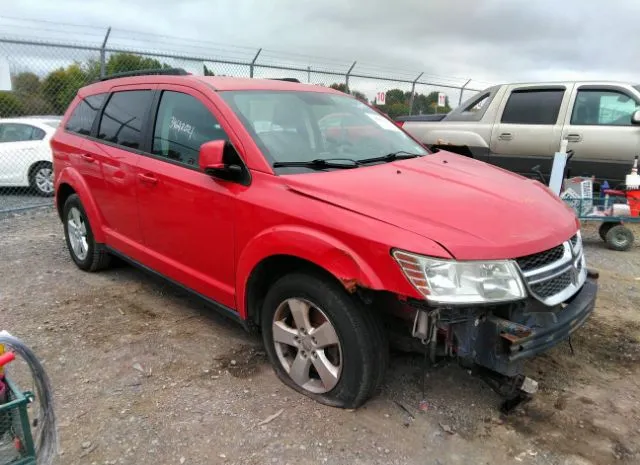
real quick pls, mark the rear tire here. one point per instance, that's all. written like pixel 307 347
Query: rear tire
pixel 85 252
pixel 41 178
pixel 351 368
pixel 619 238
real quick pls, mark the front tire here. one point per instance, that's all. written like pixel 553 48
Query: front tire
pixel 85 252
pixel 41 179
pixel 322 342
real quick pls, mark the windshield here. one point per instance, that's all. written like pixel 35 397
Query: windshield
pixel 312 126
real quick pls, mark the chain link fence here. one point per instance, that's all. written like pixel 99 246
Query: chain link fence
pixel 44 77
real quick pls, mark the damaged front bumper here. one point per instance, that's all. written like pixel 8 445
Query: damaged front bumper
pixel 502 345
pixel 501 338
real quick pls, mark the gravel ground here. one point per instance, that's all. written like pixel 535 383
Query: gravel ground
pixel 144 374
pixel 18 198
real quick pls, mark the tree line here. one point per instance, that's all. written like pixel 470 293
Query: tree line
pixel 397 102
pixel 52 94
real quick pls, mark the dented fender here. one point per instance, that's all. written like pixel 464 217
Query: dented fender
pixel 314 246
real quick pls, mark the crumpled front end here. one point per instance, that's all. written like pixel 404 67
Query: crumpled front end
pixel 561 297
pixel 501 339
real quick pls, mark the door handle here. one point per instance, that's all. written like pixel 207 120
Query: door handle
pixel 505 136
pixel 148 178
pixel 574 137
pixel 88 158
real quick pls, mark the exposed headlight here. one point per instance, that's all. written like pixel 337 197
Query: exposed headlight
pixel 453 282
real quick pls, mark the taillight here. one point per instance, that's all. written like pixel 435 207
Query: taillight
pixel 400 123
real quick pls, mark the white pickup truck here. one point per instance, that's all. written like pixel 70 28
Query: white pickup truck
pixel 519 126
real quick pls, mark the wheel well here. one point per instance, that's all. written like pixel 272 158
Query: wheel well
pixel 459 149
pixel 267 272
pixel 33 167
pixel 64 191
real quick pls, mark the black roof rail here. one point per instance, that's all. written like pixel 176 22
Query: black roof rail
pixel 147 72
pixel 285 79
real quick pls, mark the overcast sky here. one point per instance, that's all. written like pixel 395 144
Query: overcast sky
pixel 488 40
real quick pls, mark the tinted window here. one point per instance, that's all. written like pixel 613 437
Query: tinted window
pixel 11 132
pixel 183 124
pixel 603 107
pixel 81 119
pixel 123 116
pixel 38 134
pixel 533 107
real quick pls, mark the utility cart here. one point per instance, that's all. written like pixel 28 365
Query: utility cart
pixel 613 228
pixel 613 208
pixel 28 433
pixel 16 441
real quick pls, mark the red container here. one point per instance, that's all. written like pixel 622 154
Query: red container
pixel 633 199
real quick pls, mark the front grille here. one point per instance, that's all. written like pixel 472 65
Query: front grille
pixel 538 260
pixel 556 274
pixel 553 286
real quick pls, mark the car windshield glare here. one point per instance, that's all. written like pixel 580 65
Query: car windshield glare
pixel 302 127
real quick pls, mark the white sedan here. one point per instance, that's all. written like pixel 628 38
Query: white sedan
pixel 25 154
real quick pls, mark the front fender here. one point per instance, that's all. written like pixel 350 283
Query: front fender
pixel 74 179
pixel 314 246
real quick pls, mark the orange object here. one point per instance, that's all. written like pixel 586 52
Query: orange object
pixel 633 199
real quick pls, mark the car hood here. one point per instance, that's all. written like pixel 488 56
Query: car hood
pixel 472 209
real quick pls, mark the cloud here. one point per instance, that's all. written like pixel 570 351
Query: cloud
pixel 488 40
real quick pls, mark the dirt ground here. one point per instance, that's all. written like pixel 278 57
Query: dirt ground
pixel 144 374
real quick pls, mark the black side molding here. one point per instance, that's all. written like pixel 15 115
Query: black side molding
pixel 222 309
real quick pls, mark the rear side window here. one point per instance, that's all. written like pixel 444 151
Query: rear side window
pixel 533 106
pixel 81 120
pixel 13 132
pixel 478 104
pixel 183 124
pixel 123 116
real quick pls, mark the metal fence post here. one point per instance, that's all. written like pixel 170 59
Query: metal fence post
pixel 103 55
pixel 253 62
pixel 462 91
pixel 413 93
pixel 346 78
pixel 308 74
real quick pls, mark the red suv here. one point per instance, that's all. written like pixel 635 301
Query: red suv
pixel 304 213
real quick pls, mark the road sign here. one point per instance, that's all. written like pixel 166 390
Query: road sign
pixel 442 99
pixel 381 98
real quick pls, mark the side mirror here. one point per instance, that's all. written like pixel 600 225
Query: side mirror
pixel 635 117
pixel 211 161
pixel 211 157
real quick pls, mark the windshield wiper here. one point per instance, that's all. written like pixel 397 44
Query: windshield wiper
pixel 399 155
pixel 320 163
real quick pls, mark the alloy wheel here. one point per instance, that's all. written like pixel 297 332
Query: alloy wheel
pixel 77 231
pixel 44 180
pixel 307 345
